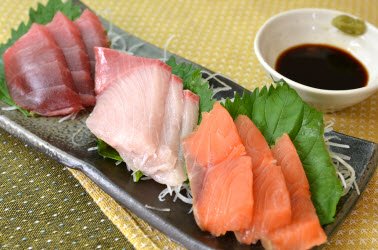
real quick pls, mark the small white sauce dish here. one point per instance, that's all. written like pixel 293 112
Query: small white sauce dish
pixel 314 26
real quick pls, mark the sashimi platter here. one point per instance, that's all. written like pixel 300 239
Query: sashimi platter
pixel 207 162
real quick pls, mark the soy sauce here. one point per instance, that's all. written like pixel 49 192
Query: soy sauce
pixel 323 67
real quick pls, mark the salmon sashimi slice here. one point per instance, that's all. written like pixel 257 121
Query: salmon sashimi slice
pixel 220 174
pixel 129 114
pixel 272 207
pixel 304 231
pixel 68 37
pixel 37 75
pixel 215 149
pixel 120 63
pixel 92 33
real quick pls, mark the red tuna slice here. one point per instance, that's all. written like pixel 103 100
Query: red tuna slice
pixel 32 50
pixel 304 231
pixel 37 77
pixel 93 34
pixel 129 115
pixel 68 37
pixel 220 174
pixel 272 202
pixel 110 63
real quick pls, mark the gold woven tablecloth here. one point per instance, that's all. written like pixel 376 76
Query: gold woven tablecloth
pixel 218 35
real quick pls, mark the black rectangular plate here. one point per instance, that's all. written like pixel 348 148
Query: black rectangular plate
pixel 67 142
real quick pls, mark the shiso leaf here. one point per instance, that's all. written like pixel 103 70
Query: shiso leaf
pixel 107 151
pixel 193 81
pixel 279 110
pixel 137 175
pixel 43 14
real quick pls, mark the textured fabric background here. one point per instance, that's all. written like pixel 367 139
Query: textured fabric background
pixel 218 35
pixel 43 206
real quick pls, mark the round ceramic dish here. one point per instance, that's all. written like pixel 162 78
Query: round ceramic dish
pixel 314 26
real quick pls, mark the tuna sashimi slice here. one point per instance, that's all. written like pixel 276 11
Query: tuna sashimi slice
pixel 93 34
pixel 129 115
pixel 52 101
pixel 37 75
pixel 65 32
pixel 35 48
pixel 110 63
pixel 68 37
pixel 304 231
pixel 220 174
pixel 271 198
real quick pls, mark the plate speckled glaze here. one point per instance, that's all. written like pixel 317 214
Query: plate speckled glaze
pixel 67 142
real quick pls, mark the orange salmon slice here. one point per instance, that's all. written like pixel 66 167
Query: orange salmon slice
pixel 272 207
pixel 215 138
pixel 304 231
pixel 220 174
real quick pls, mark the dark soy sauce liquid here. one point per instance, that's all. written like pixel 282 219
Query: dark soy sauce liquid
pixel 322 66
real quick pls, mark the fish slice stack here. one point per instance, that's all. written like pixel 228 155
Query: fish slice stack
pixel 240 185
pixel 143 112
pixel 48 69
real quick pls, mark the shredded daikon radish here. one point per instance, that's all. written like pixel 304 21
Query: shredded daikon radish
pixel 164 59
pixel 74 115
pixel 71 116
pixel 114 42
pixel 65 118
pixel 74 136
pixel 117 40
pixel 157 208
pixel 80 130
pixel 342 179
pixel 342 156
pixel 144 178
pixel 216 90
pixel 344 170
pixel 348 174
pixel 329 126
pixel 327 138
pixel 134 47
pixel 339 145
pixel 10 108
pixel 187 198
pixel 92 148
